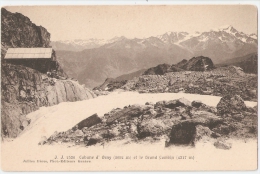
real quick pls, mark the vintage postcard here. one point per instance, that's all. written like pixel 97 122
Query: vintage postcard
pixel 129 88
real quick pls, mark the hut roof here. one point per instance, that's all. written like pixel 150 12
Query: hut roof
pixel 28 53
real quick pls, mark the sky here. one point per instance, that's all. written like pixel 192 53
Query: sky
pixel 106 22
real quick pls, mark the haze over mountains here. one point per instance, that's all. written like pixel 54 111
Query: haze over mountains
pixel 97 59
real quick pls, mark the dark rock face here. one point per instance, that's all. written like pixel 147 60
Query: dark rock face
pixel 231 104
pixel 162 69
pixel 196 103
pixel 90 121
pixel 181 63
pixel 248 63
pixel 186 132
pixel 18 31
pixel 183 133
pixel 197 64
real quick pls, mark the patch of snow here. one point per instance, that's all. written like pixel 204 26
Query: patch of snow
pixel 61 117
pixel 204 39
pixel 243 39
pixel 64 116
pixel 254 36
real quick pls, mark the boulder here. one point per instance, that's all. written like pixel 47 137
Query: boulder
pixel 224 129
pixel 127 113
pixel 176 103
pixel 162 69
pixel 231 104
pixel 205 118
pixel 197 64
pixel 238 116
pixel 185 132
pixel 160 103
pixel 196 103
pixel 152 127
pixel 185 101
pixel 202 133
pixel 149 103
pixel 91 141
pixel 215 135
pixel 88 122
pixel 222 145
pixel 79 133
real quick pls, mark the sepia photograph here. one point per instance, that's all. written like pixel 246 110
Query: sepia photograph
pixel 129 88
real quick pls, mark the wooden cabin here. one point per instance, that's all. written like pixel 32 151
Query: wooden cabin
pixel 41 59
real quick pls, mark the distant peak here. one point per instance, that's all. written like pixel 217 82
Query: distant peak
pixel 226 27
pixel 169 32
pixel 119 38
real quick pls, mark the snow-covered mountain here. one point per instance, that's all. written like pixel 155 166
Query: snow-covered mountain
pixel 224 34
pixel 80 44
pixel 198 41
pixel 122 55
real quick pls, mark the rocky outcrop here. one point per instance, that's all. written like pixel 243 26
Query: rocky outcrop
pixel 88 122
pixel 181 63
pixel 25 90
pixel 239 120
pixel 26 86
pixel 162 69
pixel 219 82
pixel 194 64
pixel 17 30
pixel 189 131
pixel 135 122
pixel 231 104
pixel 183 123
pixel 197 64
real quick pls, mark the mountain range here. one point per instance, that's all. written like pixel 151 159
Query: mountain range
pixel 95 60
pixel 80 44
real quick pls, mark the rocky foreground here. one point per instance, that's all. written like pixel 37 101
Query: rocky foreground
pixel 221 81
pixel 195 76
pixel 176 121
